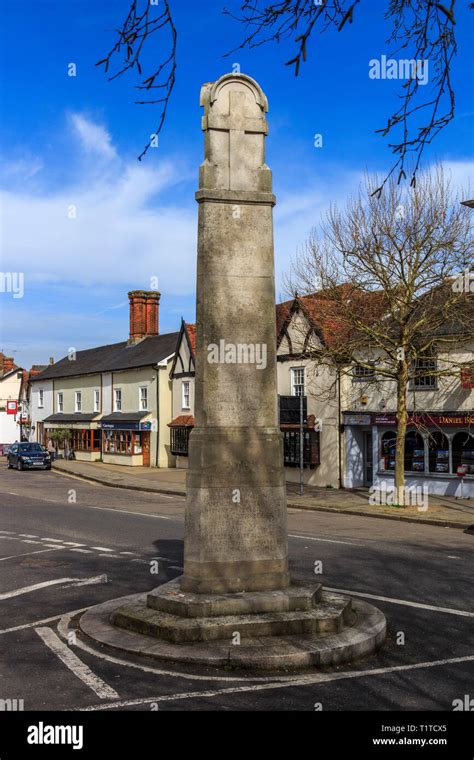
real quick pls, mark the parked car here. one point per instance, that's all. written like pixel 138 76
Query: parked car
pixel 25 456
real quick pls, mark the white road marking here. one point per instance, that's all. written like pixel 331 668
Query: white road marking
pixel 41 622
pixel 82 551
pixel 404 602
pixel 45 584
pixel 90 581
pixel 35 587
pixel 13 493
pixel 127 512
pixel 7 531
pixel 30 541
pixel 72 543
pixel 326 540
pixel 52 540
pixel 303 681
pixel 26 554
pixel 27 535
pixel 101 549
pixel 131 554
pixel 79 668
pixel 54 546
pixel 111 556
pixel 452 556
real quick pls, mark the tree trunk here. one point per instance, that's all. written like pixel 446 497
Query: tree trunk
pixel 402 416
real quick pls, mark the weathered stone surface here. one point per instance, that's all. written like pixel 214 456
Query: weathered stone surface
pixel 362 638
pixel 170 598
pixel 235 534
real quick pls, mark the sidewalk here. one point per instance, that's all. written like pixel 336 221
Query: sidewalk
pixel 443 511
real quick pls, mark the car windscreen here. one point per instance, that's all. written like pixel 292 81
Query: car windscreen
pixel 29 448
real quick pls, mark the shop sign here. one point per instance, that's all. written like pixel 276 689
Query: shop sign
pixel 357 419
pixel 12 407
pixel 119 425
pixel 145 425
pixel 427 419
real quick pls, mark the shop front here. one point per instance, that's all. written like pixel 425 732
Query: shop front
pixel 438 447
pixel 126 439
pixel 75 436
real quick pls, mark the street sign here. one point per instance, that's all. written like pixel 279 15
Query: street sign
pixel 12 407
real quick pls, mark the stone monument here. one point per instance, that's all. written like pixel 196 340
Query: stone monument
pixel 235 602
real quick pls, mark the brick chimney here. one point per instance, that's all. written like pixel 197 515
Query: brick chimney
pixel 7 364
pixel 144 307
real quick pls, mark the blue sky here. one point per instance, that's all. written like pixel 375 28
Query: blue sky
pixel 66 140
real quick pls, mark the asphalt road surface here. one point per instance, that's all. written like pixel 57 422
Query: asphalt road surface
pixel 66 545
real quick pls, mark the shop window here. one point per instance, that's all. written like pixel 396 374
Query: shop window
pixel 438 452
pixel 180 440
pixel 463 451
pixel 122 442
pixel 414 452
pixel 387 451
pixel 291 448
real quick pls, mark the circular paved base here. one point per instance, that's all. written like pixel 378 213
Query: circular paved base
pixel 268 653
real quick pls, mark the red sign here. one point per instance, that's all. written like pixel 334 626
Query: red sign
pixel 12 407
pixel 462 470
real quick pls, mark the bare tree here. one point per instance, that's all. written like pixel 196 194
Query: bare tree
pixel 423 28
pixel 144 20
pixel 390 269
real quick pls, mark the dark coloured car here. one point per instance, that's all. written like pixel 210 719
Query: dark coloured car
pixel 25 456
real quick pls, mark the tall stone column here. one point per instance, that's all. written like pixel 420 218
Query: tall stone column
pixel 236 533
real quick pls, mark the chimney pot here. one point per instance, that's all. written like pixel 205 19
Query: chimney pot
pixel 7 364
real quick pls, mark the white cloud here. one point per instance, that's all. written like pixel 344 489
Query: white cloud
pixel 94 138
pixel 125 230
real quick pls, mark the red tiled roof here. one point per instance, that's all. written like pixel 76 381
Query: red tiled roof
pixel 191 330
pixel 184 420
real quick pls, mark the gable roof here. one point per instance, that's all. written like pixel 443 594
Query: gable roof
pixel 113 357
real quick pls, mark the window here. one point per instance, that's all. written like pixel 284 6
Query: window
pixel 360 372
pixel 117 400
pixel 180 440
pixel 96 401
pixel 463 451
pixel 85 440
pixel 297 381
pixel 414 452
pixel 60 403
pixel 423 377
pixel 122 442
pixel 291 448
pixel 143 398
pixel 78 401
pixel 387 452
pixel 438 452
pixel 185 403
pixel 40 398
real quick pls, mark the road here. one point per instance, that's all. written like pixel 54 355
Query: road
pixel 66 545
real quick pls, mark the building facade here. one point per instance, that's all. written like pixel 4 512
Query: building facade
pixel 111 403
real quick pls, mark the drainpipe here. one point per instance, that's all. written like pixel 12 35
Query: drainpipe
pixel 157 416
pixel 339 434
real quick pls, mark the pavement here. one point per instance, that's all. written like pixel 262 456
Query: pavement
pixel 442 511
pixel 67 544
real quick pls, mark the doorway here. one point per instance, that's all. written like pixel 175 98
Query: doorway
pixel 146 449
pixel 368 459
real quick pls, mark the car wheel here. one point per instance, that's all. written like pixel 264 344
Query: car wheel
pixel 19 466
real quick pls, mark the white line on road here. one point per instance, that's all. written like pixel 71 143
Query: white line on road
pixel 101 549
pixel 34 587
pixel 7 531
pixel 82 551
pixel 326 540
pixel 26 554
pixel 72 543
pixel 27 535
pixel 79 668
pixel 41 622
pixel 127 512
pixel 90 581
pixel 403 602
pixel 45 584
pixel 304 681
